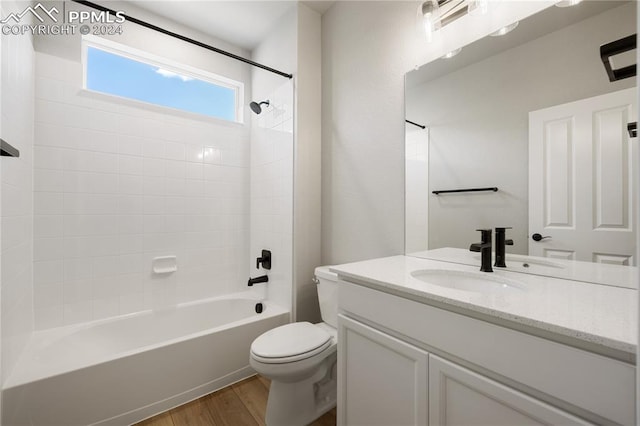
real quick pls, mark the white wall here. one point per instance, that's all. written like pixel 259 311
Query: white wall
pixel 478 120
pixel 117 183
pixel 364 57
pixel 416 188
pixel 16 206
pixel 367 47
pixel 307 181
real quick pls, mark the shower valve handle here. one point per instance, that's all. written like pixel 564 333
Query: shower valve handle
pixel 265 260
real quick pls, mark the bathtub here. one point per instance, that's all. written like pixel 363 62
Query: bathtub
pixel 123 370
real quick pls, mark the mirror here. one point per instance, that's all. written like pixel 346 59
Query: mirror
pixel 533 114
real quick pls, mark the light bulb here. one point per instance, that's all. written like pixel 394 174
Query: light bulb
pixel 568 3
pixel 504 30
pixel 429 28
pixel 430 19
pixel 452 53
pixel 478 7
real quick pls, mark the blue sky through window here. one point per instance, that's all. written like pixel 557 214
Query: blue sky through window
pixel 118 75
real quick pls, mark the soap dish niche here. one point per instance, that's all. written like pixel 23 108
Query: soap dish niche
pixel 164 264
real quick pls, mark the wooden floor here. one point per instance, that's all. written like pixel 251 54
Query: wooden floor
pixel 243 403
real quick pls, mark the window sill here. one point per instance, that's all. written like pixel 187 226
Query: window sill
pixel 149 107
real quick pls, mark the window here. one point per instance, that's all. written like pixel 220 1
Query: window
pixel 120 72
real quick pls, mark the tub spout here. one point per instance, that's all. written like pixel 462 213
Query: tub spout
pixel 257 280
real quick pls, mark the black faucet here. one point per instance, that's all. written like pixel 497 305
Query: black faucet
pixel 500 247
pixel 484 247
pixel 265 260
pixel 258 280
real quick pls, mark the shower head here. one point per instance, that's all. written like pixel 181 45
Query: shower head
pixel 255 106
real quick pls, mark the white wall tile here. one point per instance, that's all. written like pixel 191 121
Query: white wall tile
pixel 130 145
pixel 194 171
pixel 16 196
pixel 47 203
pixel 46 157
pixel 130 204
pixel 116 187
pixel 76 269
pixel 45 226
pixel 130 165
pixel 107 307
pixel 130 185
pixel 48 317
pixel 194 152
pixel 105 266
pixel 49 295
pixel 48 89
pixel 154 167
pixel 47 180
pixel 175 151
pixel 47 272
pixel 129 244
pixel 176 169
pixel 77 312
pixel 153 185
pixel 154 148
pixel 47 249
pixel 94 140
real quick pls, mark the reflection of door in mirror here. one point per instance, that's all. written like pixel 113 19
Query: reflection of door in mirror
pixel 417 187
pixel 582 180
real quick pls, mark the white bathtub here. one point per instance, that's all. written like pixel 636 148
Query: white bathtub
pixel 122 370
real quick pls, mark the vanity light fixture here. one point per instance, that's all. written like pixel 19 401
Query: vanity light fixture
pixel 568 3
pixel 478 7
pixel 452 53
pixel 430 11
pixel 505 30
pixel 432 15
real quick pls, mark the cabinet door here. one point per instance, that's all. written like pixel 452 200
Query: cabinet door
pixel 458 396
pixel 381 380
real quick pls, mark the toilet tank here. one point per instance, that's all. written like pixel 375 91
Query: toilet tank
pixel 327 285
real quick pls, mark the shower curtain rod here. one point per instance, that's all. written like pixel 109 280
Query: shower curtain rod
pixel 184 38
pixel 416 124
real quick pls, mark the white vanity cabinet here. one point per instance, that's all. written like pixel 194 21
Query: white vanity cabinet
pixel 385 381
pixel 403 362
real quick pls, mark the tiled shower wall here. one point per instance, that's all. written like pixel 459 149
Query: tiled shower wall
pixel 16 127
pixel 116 185
pixel 272 192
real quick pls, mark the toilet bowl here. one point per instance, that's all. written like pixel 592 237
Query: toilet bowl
pixel 300 360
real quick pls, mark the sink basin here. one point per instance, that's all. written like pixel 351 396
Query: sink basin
pixel 476 282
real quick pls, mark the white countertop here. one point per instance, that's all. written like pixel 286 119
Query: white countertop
pixel 598 273
pixel 591 316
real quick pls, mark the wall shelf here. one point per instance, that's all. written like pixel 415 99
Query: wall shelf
pixel 7 150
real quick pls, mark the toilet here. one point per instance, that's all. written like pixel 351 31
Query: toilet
pixel 300 360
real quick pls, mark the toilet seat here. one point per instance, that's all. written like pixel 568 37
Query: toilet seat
pixel 290 343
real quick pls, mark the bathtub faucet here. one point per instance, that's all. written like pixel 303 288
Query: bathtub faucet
pixel 257 280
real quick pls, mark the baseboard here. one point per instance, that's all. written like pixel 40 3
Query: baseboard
pixel 142 413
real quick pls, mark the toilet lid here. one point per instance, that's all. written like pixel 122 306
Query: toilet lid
pixel 290 340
